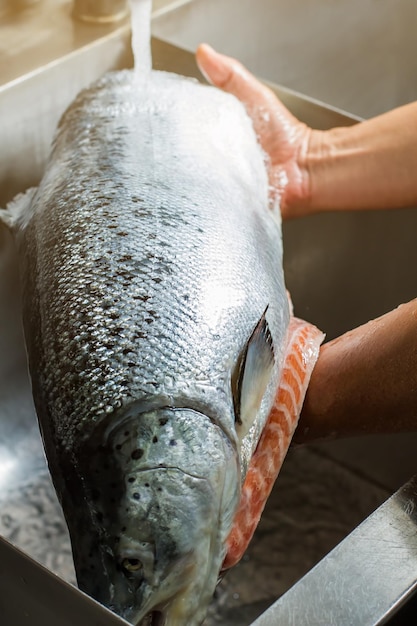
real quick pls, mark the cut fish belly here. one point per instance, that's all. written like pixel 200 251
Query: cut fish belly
pixel 302 352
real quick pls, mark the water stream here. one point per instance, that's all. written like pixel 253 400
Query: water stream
pixel 141 11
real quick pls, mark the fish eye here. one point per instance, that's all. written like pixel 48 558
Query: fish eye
pixel 131 565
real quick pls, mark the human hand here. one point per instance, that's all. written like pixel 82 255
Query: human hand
pixel 364 381
pixel 283 137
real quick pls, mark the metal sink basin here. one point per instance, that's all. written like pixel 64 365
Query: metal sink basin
pixel 359 55
pixel 341 271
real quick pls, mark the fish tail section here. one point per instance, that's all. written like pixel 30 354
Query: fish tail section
pixel 302 352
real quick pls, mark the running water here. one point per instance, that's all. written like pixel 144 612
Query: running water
pixel 141 11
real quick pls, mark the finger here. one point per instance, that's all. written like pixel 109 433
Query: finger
pixel 230 75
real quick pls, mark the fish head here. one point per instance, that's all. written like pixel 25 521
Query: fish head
pixel 159 494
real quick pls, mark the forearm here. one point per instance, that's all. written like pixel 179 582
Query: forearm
pixel 365 381
pixel 371 165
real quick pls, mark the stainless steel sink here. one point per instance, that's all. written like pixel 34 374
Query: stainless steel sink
pixel 359 55
pixel 340 269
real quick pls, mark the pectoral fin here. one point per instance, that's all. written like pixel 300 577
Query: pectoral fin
pixel 303 347
pixel 17 208
pixel 251 376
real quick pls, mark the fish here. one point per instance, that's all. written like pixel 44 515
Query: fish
pixel 303 345
pixel 158 331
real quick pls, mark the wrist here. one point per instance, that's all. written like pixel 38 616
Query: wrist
pixel 329 162
pixel 312 160
pixel 370 165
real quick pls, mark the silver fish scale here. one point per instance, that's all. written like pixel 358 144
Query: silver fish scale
pixel 148 256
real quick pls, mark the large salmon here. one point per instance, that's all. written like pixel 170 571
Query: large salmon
pixel 156 323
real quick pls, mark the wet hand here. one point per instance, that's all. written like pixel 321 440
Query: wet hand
pixel 283 137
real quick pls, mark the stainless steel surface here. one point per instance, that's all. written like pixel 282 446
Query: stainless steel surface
pixel 359 55
pixel 26 131
pixel 341 270
pixel 43 33
pixel 30 594
pixel 46 58
pixel 12 6
pixel 100 11
pixel 35 33
pixel 365 579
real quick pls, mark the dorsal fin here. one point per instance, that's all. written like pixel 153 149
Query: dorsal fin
pixel 251 375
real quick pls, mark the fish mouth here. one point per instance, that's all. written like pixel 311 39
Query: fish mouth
pixel 155 618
